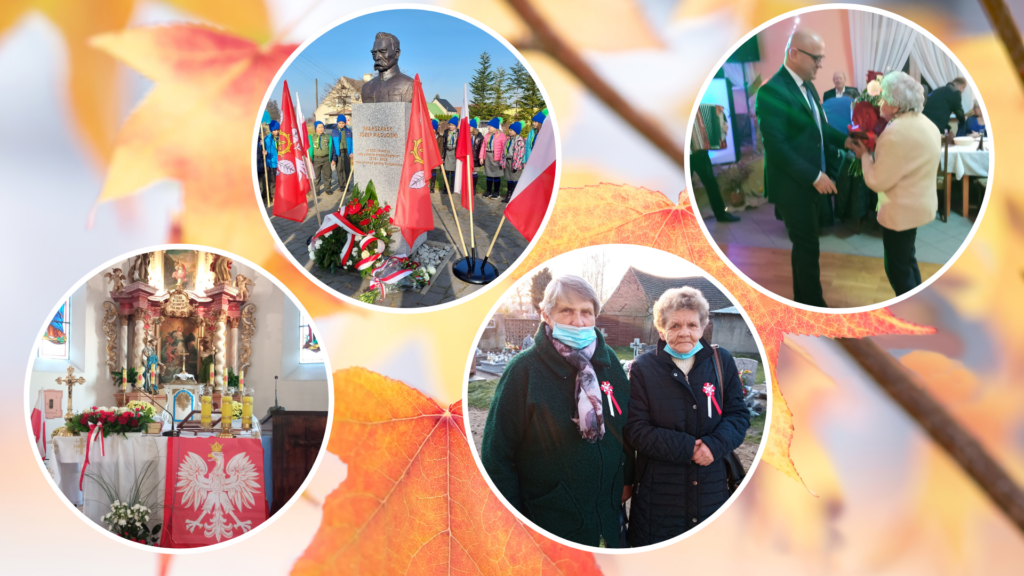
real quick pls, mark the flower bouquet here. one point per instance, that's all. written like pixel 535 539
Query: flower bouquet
pixel 129 522
pixel 866 121
pixel 114 420
pixel 356 237
pixel 402 272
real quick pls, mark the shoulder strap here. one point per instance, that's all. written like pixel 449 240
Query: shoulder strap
pixel 718 370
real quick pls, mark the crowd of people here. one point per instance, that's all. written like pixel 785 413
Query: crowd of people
pixel 500 151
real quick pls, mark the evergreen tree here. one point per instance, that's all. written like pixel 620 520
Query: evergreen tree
pixel 499 90
pixel 532 100
pixel 519 84
pixel 274 110
pixel 480 88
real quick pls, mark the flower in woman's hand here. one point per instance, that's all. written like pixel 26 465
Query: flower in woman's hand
pixel 874 88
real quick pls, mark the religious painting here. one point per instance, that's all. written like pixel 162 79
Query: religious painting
pixel 178 348
pixel 180 269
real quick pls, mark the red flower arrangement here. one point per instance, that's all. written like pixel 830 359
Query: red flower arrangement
pixel 114 420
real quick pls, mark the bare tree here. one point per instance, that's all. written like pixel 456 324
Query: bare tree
pixel 593 271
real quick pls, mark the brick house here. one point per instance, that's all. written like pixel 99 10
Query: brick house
pixel 629 311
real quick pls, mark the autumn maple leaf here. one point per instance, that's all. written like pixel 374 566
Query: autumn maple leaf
pixel 610 214
pixel 414 501
pixel 92 73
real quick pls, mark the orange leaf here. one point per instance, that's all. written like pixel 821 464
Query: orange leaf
pixel 93 75
pixel 612 214
pixel 197 126
pixel 414 501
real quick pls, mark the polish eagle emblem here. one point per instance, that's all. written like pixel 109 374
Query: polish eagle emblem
pixel 220 492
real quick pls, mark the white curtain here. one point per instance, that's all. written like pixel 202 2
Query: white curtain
pixel 878 43
pixel 936 67
pixel 734 72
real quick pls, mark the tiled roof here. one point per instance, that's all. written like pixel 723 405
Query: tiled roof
pixel 655 286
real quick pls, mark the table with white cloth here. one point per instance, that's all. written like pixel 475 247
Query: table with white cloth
pixel 118 463
pixel 964 162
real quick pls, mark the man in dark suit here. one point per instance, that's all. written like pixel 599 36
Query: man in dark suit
pixel 796 136
pixel 945 101
pixel 839 79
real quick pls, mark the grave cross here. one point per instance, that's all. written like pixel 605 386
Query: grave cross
pixel 70 381
pixel 637 347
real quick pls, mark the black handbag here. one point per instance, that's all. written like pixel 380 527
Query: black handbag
pixel 733 467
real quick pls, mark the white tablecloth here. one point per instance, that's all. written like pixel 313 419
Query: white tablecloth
pixel 125 460
pixel 968 160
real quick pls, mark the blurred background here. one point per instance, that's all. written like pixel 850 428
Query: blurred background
pixel 100 159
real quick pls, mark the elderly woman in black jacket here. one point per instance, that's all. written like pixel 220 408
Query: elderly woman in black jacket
pixel 680 422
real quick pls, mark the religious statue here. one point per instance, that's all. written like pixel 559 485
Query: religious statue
pixel 390 85
pixel 206 354
pixel 116 277
pixel 242 284
pixel 221 268
pixel 139 270
pixel 152 363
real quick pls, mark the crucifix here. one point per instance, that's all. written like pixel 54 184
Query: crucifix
pixel 637 347
pixel 70 381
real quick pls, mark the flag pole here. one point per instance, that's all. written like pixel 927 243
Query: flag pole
pixel 455 214
pixel 495 239
pixel 312 187
pixel 344 192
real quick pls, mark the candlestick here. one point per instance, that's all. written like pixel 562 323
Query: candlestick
pixel 205 406
pixel 246 407
pixel 241 381
pixel 226 409
pixel 124 379
pixel 213 379
pixel 139 378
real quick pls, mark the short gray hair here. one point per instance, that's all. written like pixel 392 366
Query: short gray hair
pixel 903 92
pixel 685 298
pixel 569 289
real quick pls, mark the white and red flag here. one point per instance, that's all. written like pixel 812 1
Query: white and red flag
pixel 214 490
pixel 529 202
pixel 464 156
pixel 38 419
pixel 292 182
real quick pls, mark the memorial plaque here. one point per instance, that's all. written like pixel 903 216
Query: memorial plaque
pixel 379 132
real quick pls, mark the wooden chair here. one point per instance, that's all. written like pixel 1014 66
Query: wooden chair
pixel 944 181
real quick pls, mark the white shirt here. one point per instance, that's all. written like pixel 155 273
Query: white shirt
pixel 800 86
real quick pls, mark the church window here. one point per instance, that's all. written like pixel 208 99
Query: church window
pixel 56 341
pixel 309 347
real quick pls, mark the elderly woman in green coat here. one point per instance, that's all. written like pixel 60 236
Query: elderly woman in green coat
pixel 553 444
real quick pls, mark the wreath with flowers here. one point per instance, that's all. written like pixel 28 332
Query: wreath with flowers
pixel 355 238
pixel 113 420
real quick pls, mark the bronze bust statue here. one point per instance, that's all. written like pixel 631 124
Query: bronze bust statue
pixel 390 85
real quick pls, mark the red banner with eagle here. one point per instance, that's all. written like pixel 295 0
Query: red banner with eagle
pixel 214 491
pixel 412 212
pixel 292 182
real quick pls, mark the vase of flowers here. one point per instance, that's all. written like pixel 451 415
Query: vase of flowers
pixel 732 180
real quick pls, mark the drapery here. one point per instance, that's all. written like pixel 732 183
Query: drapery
pixel 936 67
pixel 878 43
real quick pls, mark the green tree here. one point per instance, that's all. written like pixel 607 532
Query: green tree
pixel 480 89
pixel 519 83
pixel 532 101
pixel 274 110
pixel 500 92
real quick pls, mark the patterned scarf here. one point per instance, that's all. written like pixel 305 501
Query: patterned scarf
pixel 588 415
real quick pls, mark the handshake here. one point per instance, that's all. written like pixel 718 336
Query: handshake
pixel 824 184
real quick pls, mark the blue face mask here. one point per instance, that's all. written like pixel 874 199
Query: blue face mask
pixel 573 337
pixel 674 354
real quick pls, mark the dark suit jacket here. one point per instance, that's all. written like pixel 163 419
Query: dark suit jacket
pixel 848 91
pixel 792 147
pixel 943 102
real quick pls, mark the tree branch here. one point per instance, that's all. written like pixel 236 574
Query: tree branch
pixel 1001 19
pixel 568 57
pixel 900 384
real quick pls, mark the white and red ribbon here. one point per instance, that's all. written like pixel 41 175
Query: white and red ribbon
pixel 94 431
pixel 375 253
pixel 709 391
pixel 380 282
pixel 336 220
pixel 606 387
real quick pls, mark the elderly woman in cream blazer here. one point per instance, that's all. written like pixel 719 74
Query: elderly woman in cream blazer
pixel 902 171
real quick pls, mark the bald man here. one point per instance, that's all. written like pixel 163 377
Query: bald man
pixel 839 81
pixel 796 139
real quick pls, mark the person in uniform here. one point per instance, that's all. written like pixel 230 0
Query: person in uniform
pixel 448 142
pixel 490 156
pixel 320 153
pixel 478 143
pixel 513 159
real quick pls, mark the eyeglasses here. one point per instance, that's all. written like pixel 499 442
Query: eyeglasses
pixel 817 59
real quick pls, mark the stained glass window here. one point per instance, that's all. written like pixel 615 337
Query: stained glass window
pixel 57 338
pixel 309 348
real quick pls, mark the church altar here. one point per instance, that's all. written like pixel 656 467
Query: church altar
pixel 123 461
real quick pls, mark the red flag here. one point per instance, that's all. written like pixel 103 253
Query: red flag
pixel 216 481
pixel 413 214
pixel 292 182
pixel 39 424
pixel 529 202
pixel 464 156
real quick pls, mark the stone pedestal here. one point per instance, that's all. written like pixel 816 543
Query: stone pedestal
pixel 379 133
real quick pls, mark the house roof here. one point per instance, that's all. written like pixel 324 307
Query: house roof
pixel 729 310
pixel 436 109
pixel 654 286
pixel 447 105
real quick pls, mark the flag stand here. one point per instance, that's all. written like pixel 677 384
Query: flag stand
pixel 471 269
pixel 455 213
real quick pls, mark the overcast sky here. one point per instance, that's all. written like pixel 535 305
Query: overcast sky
pixel 442 49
